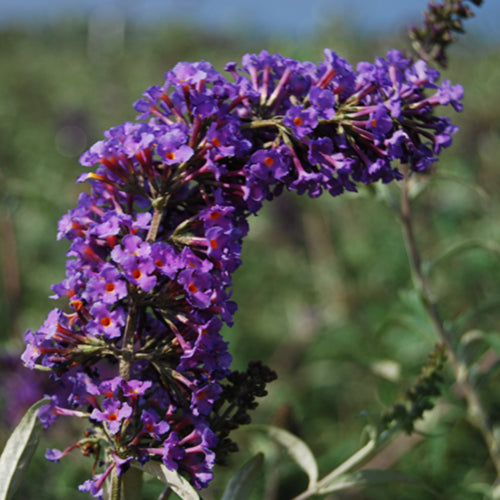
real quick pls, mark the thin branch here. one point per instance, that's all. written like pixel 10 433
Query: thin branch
pixel 128 342
pixel 476 412
pixel 116 486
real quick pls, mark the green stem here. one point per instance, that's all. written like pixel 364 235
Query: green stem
pixel 128 343
pixel 128 486
pixel 116 486
pixel 262 123
pixel 354 462
pixel 159 206
pixel 128 336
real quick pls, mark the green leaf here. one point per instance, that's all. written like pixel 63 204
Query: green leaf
pixel 132 484
pixel 366 477
pixel 463 246
pixel 493 340
pixel 19 450
pixel 469 316
pixel 240 485
pixel 296 448
pixel 172 478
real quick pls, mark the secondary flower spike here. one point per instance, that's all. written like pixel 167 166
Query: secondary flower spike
pixel 138 350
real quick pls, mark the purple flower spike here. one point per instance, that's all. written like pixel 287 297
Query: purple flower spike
pixel 154 244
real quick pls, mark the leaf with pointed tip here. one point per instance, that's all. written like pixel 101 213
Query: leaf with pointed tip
pixel 172 478
pixel 366 477
pixel 18 451
pixel 296 448
pixel 240 485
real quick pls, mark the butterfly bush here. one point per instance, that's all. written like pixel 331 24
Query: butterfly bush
pixel 154 243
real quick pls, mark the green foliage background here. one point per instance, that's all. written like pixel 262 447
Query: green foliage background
pixel 325 293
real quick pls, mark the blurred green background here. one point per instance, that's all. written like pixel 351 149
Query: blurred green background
pixel 324 293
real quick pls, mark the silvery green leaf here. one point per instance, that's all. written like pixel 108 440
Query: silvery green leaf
pixel 241 483
pixel 365 477
pixel 296 448
pixel 172 478
pixel 19 450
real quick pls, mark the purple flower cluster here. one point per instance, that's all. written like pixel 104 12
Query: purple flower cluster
pixel 155 243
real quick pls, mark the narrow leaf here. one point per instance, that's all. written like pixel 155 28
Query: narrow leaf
pixel 493 340
pixel 366 477
pixel 172 478
pixel 296 448
pixel 240 485
pixel 463 246
pixel 19 450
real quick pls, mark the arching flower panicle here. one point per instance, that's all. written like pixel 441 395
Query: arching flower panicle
pixel 154 244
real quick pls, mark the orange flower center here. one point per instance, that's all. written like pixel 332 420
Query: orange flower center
pixel 105 322
pixel 77 304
